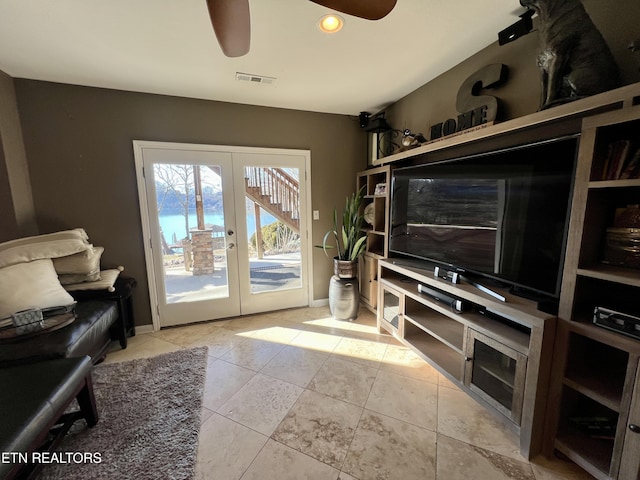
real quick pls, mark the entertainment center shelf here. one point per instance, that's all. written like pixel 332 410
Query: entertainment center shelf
pixel 594 390
pixel 609 273
pixel 564 384
pixel 375 183
pixel 634 182
pixel 493 350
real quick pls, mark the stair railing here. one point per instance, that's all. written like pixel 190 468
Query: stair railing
pixel 281 188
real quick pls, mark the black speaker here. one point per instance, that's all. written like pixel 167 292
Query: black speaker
pixel 364 119
pixel 377 125
pixel 518 29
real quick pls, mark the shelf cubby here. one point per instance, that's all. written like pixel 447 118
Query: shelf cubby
pixel 375 243
pixel 586 433
pixel 606 138
pixel 443 328
pixel 433 350
pixel 587 373
pixel 591 454
pixel 609 287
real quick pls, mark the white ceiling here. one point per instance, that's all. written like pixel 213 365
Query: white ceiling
pixel 168 47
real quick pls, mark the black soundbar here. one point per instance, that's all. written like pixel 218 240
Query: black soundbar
pixel 457 304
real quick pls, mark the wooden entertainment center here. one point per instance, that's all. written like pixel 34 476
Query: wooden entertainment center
pixel 510 336
pixel 562 383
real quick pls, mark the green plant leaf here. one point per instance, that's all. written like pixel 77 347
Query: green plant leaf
pixel 358 248
pixel 345 244
pixel 349 237
pixel 324 241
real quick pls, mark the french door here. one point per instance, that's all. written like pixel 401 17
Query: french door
pixel 226 229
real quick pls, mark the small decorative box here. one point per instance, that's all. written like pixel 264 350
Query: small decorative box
pixel 27 317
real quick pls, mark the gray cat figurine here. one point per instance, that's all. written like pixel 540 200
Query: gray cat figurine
pixel 574 59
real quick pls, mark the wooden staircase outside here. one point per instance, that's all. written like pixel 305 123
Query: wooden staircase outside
pixel 277 192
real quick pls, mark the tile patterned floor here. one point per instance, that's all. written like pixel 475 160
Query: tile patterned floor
pixel 296 394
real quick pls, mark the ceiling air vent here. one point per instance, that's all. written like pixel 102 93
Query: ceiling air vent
pixel 249 77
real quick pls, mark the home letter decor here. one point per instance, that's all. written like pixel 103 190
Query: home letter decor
pixel 474 109
pixel 487 77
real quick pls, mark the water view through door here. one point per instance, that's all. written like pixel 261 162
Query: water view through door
pixel 194 249
pixel 225 231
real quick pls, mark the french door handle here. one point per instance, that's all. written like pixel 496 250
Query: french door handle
pixel 231 246
pixel 634 428
pixel 230 232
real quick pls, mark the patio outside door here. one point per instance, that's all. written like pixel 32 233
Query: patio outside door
pixel 226 229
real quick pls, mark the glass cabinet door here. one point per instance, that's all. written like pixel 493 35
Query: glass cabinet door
pixel 496 373
pixel 390 311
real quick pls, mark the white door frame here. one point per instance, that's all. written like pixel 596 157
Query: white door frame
pixel 140 145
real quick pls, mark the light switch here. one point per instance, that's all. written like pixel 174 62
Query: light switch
pixel 316 214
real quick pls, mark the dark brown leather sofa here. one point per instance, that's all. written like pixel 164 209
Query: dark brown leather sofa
pixel 89 334
pixel 101 316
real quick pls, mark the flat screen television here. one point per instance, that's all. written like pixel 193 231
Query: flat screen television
pixel 502 215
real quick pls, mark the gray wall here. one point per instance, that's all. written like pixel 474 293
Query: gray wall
pixel 17 215
pixel 435 101
pixel 79 146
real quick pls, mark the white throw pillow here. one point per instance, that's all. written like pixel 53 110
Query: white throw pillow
pixel 85 262
pixel 72 278
pixel 32 285
pixel 51 245
pixel 107 280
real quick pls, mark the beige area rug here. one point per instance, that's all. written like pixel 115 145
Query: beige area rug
pixel 149 421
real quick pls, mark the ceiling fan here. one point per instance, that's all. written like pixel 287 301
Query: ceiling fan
pixel 232 23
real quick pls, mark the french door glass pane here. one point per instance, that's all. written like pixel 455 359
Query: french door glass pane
pixel 273 228
pixel 193 244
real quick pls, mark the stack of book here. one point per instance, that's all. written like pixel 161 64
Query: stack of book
pixel 622 162
pixel 601 427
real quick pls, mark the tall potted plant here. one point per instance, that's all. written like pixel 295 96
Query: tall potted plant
pixel 350 240
pixel 350 243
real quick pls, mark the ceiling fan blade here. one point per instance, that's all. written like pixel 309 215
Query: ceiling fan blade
pixel 232 25
pixel 368 9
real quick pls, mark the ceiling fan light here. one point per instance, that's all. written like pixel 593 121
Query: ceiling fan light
pixel 331 23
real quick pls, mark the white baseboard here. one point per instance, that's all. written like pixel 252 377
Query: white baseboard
pixel 148 328
pixel 323 302
pixel 144 328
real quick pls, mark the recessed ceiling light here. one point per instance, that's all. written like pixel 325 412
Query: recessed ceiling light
pixel 331 23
